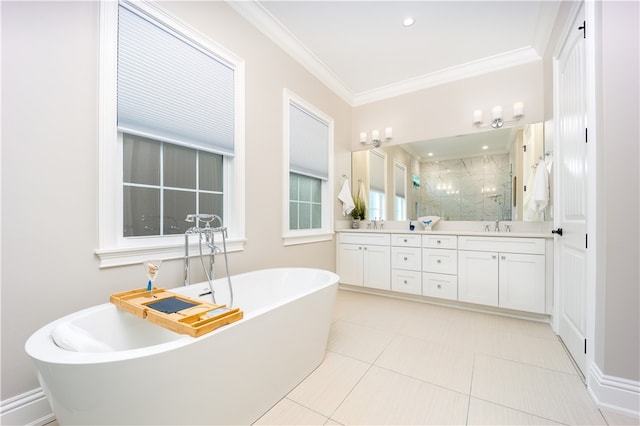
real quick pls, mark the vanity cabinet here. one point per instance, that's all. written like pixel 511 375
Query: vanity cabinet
pixel 363 259
pixel 440 266
pixel 406 263
pixel 504 272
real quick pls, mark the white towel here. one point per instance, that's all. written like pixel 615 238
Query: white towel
pixel 345 197
pixel 540 194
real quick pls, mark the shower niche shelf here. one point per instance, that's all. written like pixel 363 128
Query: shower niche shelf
pixel 175 312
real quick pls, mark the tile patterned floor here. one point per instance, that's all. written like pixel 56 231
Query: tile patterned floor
pixel 398 362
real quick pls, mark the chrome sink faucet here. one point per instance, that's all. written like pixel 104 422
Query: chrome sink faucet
pixel 497 228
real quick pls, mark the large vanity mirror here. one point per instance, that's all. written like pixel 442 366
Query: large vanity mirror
pixel 484 176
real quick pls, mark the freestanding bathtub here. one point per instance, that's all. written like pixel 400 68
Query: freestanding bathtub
pixel 134 372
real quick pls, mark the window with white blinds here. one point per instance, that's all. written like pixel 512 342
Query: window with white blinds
pixel 377 176
pixel 308 148
pixel 400 178
pixel 171 89
pixel 308 140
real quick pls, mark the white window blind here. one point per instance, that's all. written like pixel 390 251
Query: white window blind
pixel 400 178
pixel 171 89
pixel 308 139
pixel 376 171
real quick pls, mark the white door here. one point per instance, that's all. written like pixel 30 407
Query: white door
pixel 571 197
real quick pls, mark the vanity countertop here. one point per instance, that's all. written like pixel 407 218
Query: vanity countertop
pixel 512 234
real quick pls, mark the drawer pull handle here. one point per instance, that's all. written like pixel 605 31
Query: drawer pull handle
pixel 494 257
pixel 439 285
pixel 405 281
pixel 439 242
pixel 405 240
pixel 405 258
pixel 438 261
pixel 503 257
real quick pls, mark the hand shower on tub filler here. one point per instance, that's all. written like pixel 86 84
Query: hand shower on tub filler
pixel 206 236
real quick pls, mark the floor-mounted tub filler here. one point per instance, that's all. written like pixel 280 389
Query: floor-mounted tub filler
pixel 122 369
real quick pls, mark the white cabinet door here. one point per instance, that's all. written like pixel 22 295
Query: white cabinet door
pixel 478 277
pixel 350 264
pixel 522 284
pixel 377 267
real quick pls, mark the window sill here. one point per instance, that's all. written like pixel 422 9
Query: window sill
pixel 306 238
pixel 122 256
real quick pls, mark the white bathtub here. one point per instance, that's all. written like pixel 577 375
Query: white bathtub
pixel 229 376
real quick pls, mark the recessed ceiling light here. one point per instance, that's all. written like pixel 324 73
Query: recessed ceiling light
pixel 430 154
pixel 485 147
pixel 408 21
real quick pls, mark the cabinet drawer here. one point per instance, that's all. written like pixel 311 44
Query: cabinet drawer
pixel 440 241
pixel 440 261
pixel 406 240
pixel 502 244
pixel 365 238
pixel 440 285
pixel 406 258
pixel 406 281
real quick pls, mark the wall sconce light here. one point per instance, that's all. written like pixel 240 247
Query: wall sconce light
pixel 376 141
pixel 496 116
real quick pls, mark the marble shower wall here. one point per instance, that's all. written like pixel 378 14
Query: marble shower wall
pixel 476 188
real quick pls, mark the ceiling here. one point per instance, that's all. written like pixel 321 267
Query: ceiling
pixel 362 51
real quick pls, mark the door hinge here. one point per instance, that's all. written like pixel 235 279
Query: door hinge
pixel 525 188
pixel 583 28
pixel 586 135
pixel 586 241
pixel 524 147
pixel 585 346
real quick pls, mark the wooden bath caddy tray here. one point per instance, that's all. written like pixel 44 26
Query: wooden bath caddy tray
pixel 175 312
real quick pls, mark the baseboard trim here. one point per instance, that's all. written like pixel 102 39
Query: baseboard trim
pixel 614 393
pixel 29 408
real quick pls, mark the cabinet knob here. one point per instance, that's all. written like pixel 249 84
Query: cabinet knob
pixel 438 261
pixel 503 257
pixel 439 285
pixel 494 256
pixel 405 281
pixel 405 258
pixel 438 241
pixel 405 240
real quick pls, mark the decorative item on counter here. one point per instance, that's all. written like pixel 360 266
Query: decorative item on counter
pixel 411 226
pixel 428 221
pixel 359 211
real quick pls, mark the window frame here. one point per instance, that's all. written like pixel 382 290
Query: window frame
pixel 325 232
pixel 114 249
pixel 378 196
pixel 402 214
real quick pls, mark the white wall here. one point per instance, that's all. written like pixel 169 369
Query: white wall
pixel 447 110
pixel 50 157
pixel 618 126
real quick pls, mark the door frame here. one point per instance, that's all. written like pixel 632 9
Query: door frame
pixel 592 189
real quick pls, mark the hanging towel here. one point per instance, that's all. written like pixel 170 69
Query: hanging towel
pixel 540 195
pixel 345 197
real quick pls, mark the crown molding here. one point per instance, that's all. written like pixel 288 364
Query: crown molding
pixel 260 18
pixel 447 75
pixel 266 23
